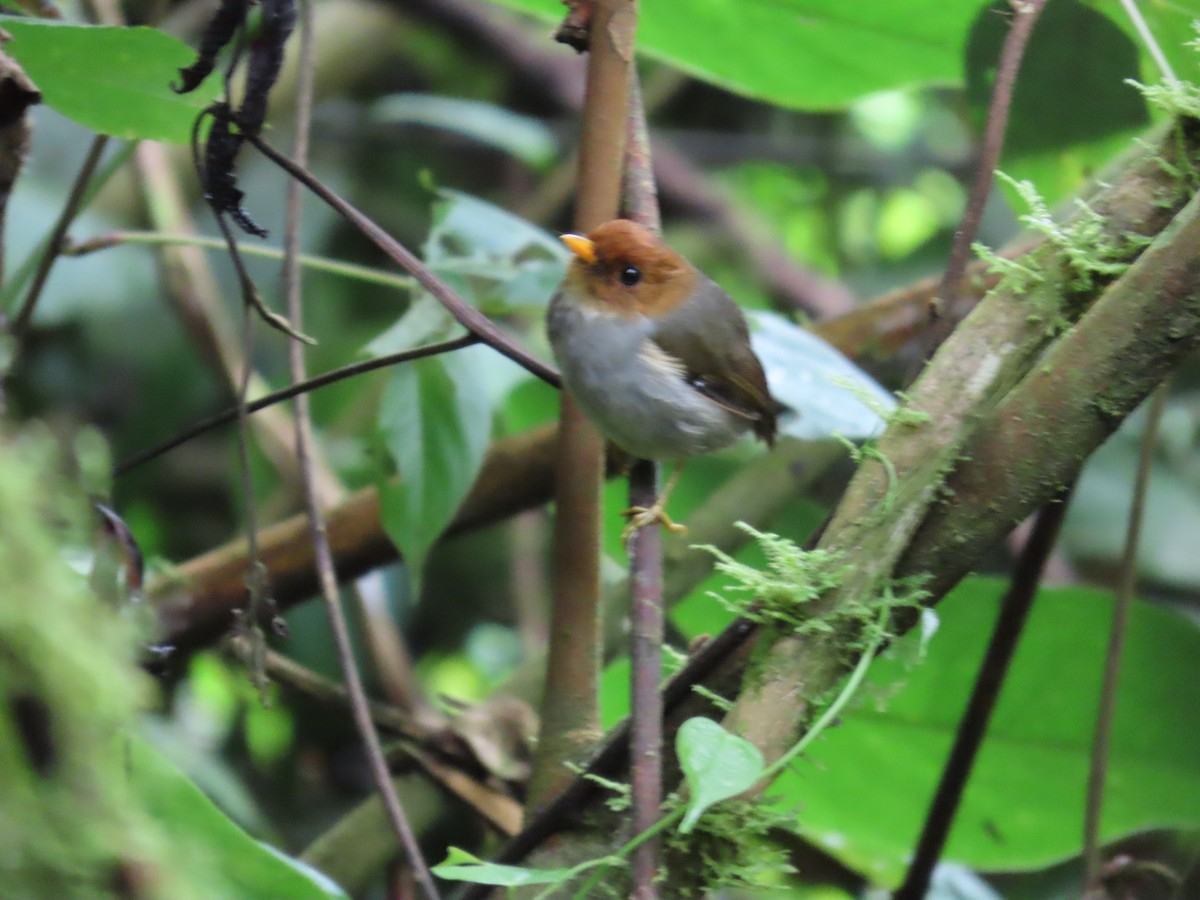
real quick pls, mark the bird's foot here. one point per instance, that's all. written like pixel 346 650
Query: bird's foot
pixel 641 516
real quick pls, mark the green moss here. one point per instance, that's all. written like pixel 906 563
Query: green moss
pixel 731 846
pixel 71 825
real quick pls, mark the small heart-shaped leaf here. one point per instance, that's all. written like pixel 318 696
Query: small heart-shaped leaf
pixel 716 764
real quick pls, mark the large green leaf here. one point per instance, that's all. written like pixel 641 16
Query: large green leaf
pixel 256 871
pixel 436 417
pixel 806 54
pixel 115 81
pixel 863 790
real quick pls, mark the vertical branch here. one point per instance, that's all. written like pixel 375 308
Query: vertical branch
pixel 1116 642
pixel 1014 610
pixel 1026 13
pixel 324 557
pixel 570 709
pixel 645 563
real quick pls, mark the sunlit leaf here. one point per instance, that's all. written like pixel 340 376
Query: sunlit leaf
pixel 115 81
pixel 808 54
pixel 716 764
pixel 827 394
pixel 862 791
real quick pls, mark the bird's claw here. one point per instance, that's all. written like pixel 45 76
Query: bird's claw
pixel 641 516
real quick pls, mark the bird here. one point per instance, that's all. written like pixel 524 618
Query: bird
pixel 656 354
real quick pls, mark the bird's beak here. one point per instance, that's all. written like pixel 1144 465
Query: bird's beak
pixel 580 246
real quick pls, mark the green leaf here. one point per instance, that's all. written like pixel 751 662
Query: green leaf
pixel 462 866
pixel 828 394
pixel 497 260
pixel 863 790
pixel 436 418
pixel 526 138
pixel 806 54
pixel 115 81
pixel 251 868
pixel 716 764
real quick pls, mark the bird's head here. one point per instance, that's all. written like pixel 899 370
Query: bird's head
pixel 625 268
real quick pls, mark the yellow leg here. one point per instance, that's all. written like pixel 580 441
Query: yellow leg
pixel 641 516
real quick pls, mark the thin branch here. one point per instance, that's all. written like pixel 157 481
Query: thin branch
pixel 1014 610
pixel 20 321
pixel 304 439
pixel 1026 13
pixel 570 710
pixel 287 393
pixel 1147 36
pixel 465 314
pixel 640 200
pixel 161 238
pixel 1126 585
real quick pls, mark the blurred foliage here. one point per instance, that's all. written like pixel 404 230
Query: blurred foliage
pixel 844 138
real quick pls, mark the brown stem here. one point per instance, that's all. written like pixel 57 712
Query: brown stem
pixel 1126 585
pixel 640 201
pixel 324 557
pixel 287 393
pixel 570 704
pixel 20 321
pixel 1026 13
pixel 1014 610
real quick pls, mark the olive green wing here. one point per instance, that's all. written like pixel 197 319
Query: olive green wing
pixel 709 338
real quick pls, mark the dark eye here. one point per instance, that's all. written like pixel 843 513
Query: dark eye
pixel 630 275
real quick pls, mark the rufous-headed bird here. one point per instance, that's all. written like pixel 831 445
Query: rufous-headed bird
pixel 656 355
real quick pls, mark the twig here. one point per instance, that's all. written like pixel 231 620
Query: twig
pixel 1126 585
pixel 1014 609
pixel 324 557
pixel 465 314
pixel 287 393
pixel 1026 13
pixel 20 321
pixel 645 563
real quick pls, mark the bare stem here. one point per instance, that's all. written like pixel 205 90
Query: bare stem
pixel 1014 610
pixel 645 563
pixel 1026 13
pixel 287 393
pixel 1126 584
pixel 570 704
pixel 20 321
pixel 324 557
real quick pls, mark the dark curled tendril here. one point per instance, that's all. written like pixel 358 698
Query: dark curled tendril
pixel 217 172
pixel 220 30
pixel 266 59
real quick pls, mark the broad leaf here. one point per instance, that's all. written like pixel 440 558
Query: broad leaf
pixel 498 260
pixel 716 764
pixel 863 790
pixel 436 417
pixel 807 54
pixel 528 139
pixel 191 820
pixel 828 394
pixel 115 81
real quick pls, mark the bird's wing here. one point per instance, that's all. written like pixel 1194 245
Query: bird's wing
pixel 709 338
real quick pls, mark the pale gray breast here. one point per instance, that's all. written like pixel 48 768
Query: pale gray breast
pixel 630 389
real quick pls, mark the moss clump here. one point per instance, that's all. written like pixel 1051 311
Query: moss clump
pixel 70 824
pixel 731 846
pixel 778 595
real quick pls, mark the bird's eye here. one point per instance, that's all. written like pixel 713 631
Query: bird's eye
pixel 630 275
